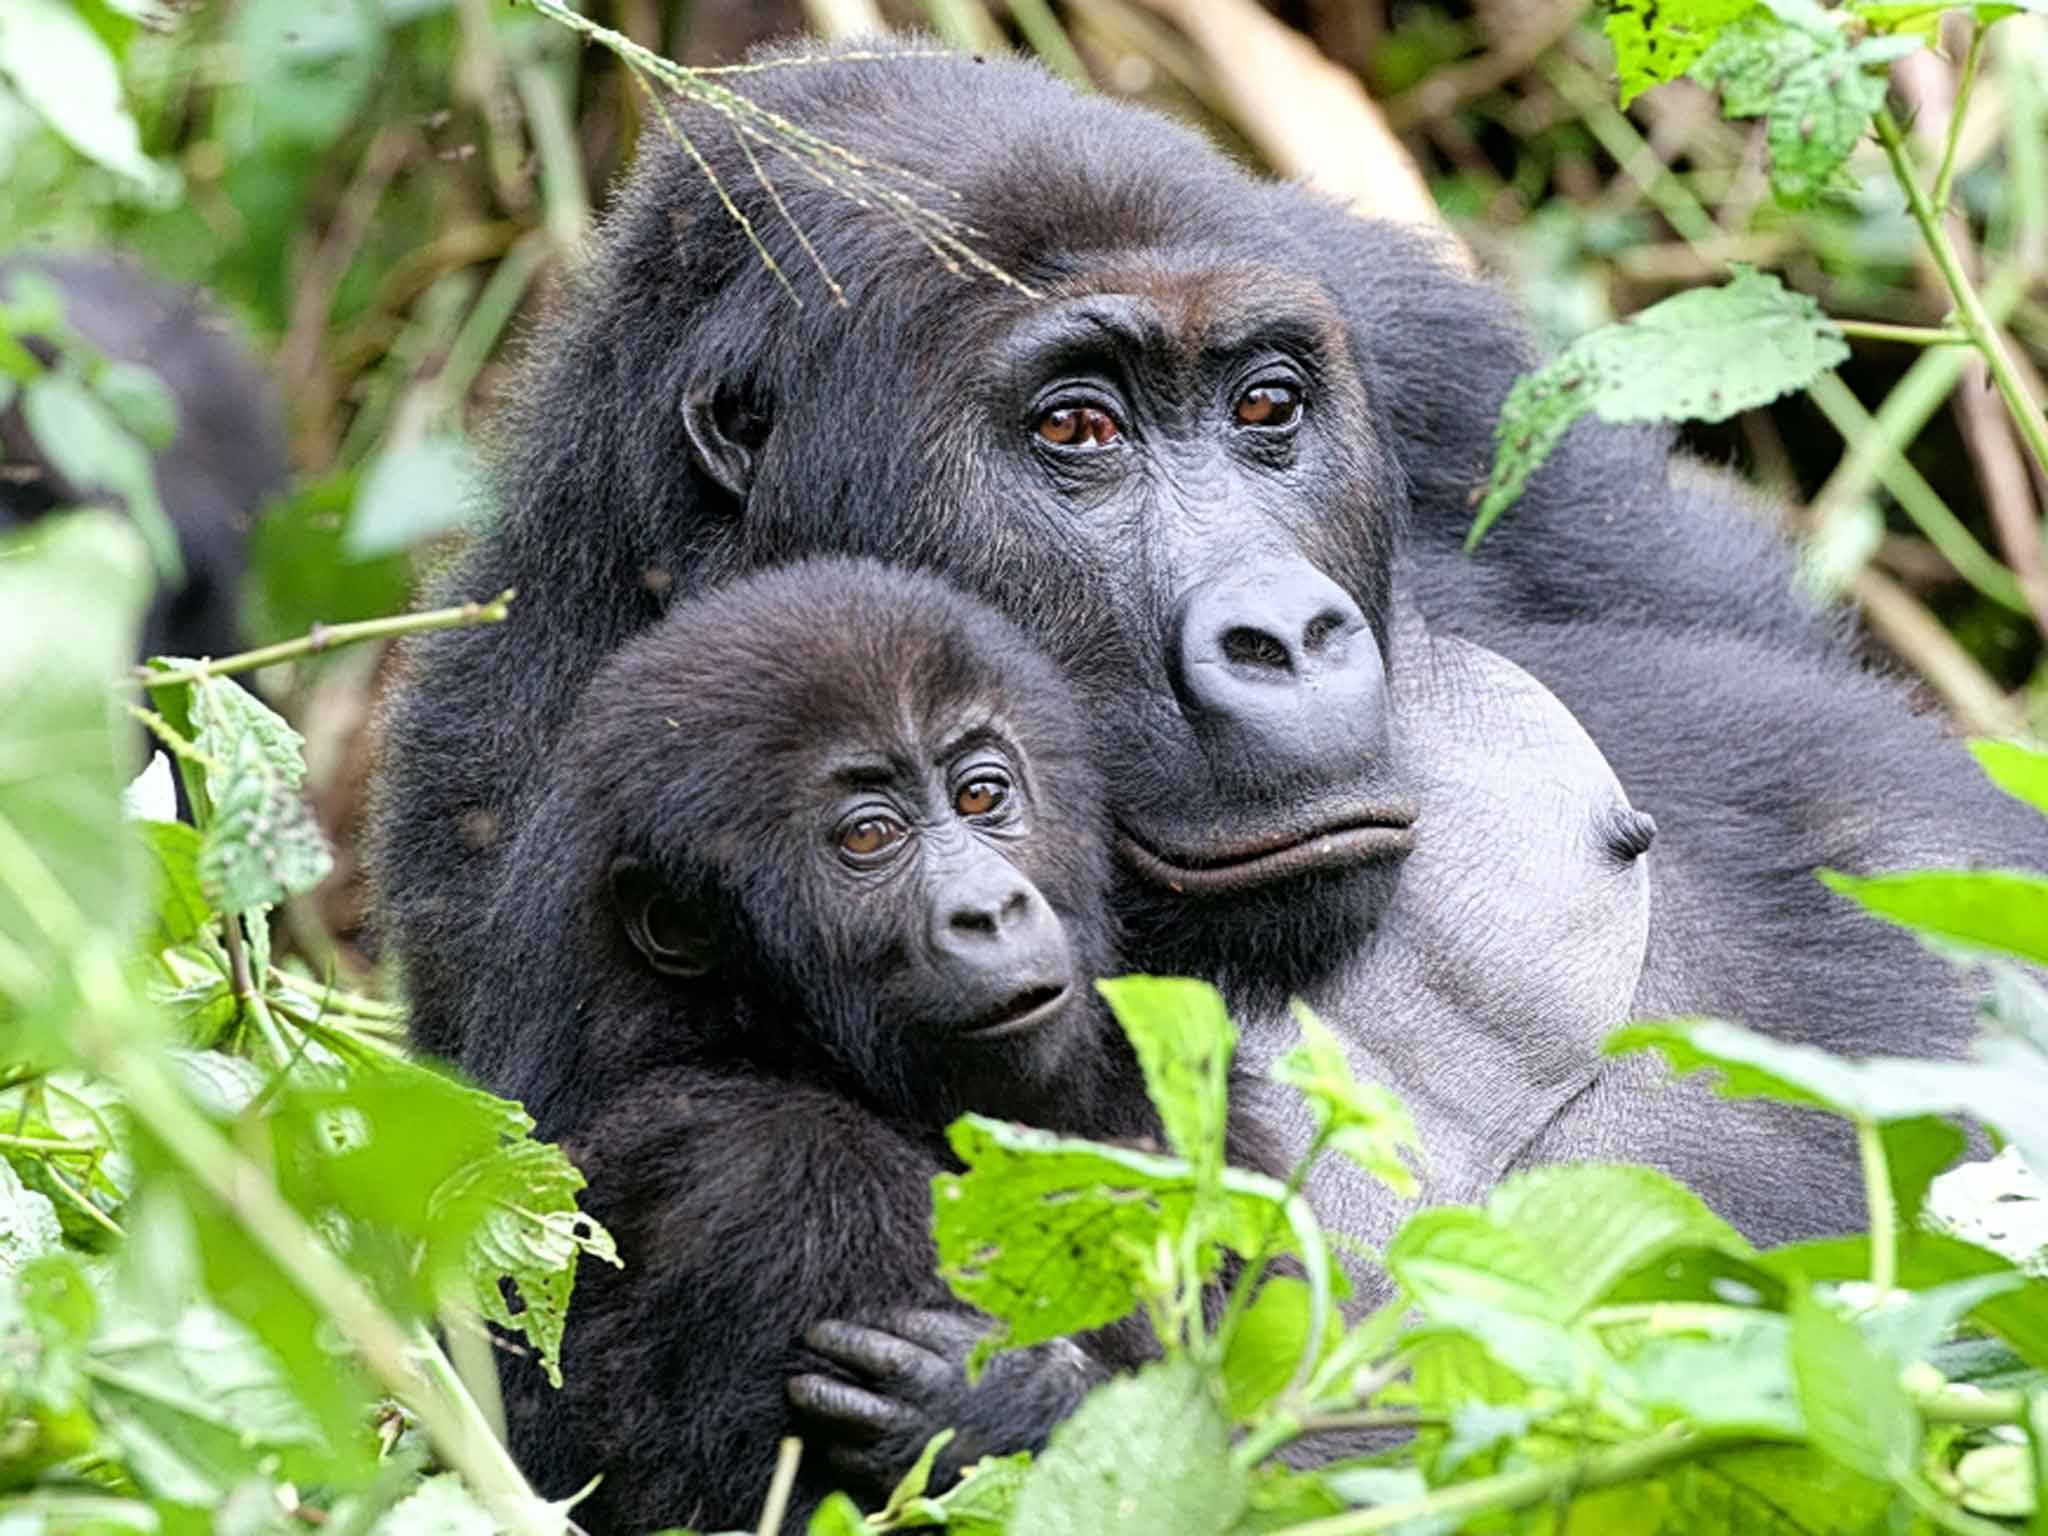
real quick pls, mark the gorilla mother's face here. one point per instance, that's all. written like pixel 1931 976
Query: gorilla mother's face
pixel 1166 471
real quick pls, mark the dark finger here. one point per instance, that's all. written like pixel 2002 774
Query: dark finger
pixel 946 1334
pixel 847 1406
pixel 870 1351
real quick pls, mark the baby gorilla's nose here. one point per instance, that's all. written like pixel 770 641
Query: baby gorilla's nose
pixel 1000 949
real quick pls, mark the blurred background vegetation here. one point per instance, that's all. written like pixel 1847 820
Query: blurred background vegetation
pixel 376 192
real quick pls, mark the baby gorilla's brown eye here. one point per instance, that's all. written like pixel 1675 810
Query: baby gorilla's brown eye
pixel 1269 405
pixel 978 797
pixel 870 835
pixel 1078 426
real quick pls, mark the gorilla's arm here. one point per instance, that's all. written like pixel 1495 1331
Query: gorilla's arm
pixel 749 1212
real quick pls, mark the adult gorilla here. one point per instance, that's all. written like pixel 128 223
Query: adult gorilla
pixel 1185 454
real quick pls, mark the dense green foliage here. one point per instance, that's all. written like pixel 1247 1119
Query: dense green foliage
pixel 248 1251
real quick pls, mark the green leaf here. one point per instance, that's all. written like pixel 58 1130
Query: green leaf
pixel 1658 40
pixel 1184 1039
pixel 1366 1122
pixel 262 843
pixel 1053 1236
pixel 2020 771
pixel 1751 57
pixel 1856 1411
pixel 982 1502
pixel 411 494
pixel 1266 1345
pixel 1738 1382
pixel 529 1231
pixel 298 575
pixel 837 1516
pixel 86 443
pixel 140 400
pixel 1928 1260
pixel 55 62
pixel 1916 1152
pixel 181 906
pixel 2004 1085
pixel 1922 18
pixel 1703 355
pixel 2000 1206
pixel 2001 910
pixel 1148 1452
pixel 1773 1491
pixel 1819 112
pixel 72 591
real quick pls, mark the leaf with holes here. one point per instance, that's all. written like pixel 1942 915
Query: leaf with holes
pixel 1657 40
pixel 1703 355
pixel 1750 58
pixel 262 844
pixel 1819 112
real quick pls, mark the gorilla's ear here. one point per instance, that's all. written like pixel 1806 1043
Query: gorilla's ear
pixel 675 935
pixel 727 428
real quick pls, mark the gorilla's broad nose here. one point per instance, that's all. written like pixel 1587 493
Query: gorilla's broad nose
pixel 989 919
pixel 1282 660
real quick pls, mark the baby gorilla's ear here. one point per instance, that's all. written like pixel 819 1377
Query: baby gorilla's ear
pixel 676 935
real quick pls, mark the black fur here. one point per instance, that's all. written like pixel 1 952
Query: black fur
pixel 226 460
pixel 901 427
pixel 761 1138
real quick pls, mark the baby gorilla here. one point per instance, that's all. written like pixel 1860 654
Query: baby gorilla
pixel 822 866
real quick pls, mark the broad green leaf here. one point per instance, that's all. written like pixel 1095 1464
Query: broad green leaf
pixel 1737 1382
pixel 1183 1038
pixel 1487 1281
pixel 1703 355
pixel 140 400
pixel 1773 1491
pixel 2020 771
pixel 1366 1122
pixel 1148 1452
pixel 1657 40
pixel 50 55
pixel 1260 1357
pixel 1820 110
pixel 198 1408
pixel 411 494
pixel 47 1314
pixel 72 591
pixel 1928 1260
pixel 1856 1411
pixel 1750 58
pixel 1915 1153
pixel 2004 1085
pixel 181 906
pixel 90 448
pixel 1907 1331
pixel 837 1516
pixel 1053 1236
pixel 261 844
pixel 2002 910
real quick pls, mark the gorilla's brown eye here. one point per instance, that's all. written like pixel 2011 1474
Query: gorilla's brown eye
pixel 1269 405
pixel 870 835
pixel 977 797
pixel 1078 426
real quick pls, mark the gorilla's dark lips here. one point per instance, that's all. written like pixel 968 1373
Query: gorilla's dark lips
pixel 1024 1012
pixel 1360 838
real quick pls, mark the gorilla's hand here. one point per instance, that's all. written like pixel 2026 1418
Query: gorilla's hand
pixel 901 1378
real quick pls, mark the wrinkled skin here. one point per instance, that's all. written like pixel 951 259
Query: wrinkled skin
pixel 1112 460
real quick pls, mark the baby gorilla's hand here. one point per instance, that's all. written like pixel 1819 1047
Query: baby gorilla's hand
pixel 902 1378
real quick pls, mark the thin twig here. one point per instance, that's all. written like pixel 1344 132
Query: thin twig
pixel 787 1455
pixel 1944 178
pixel 327 637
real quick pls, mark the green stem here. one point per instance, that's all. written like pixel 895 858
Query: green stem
pixel 47 1144
pixel 327 637
pixel 281 1233
pixel 1949 1406
pixel 1519 1490
pixel 1944 179
pixel 2032 424
pixel 1884 1214
pixel 1912 335
pixel 787 1455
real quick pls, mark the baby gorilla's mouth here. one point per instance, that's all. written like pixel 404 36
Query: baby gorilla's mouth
pixel 1024 1012
pixel 1362 838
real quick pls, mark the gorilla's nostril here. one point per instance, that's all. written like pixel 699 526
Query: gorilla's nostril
pixel 1320 629
pixel 1247 647
pixel 973 920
